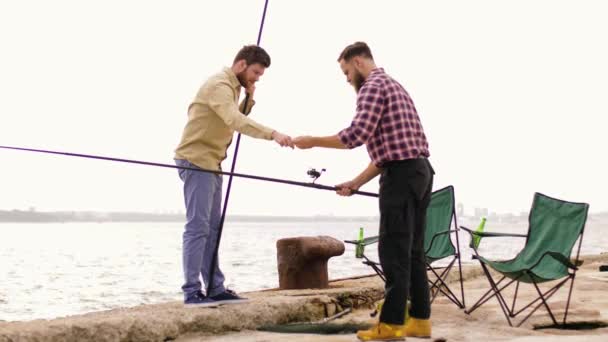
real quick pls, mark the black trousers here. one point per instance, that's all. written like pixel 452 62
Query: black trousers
pixel 405 193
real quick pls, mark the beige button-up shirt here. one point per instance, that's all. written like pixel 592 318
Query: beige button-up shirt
pixel 213 116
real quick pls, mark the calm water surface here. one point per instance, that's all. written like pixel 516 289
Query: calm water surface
pixel 50 270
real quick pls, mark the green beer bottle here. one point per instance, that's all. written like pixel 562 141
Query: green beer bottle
pixel 476 239
pixel 359 248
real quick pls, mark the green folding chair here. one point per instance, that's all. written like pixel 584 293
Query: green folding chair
pixel 440 218
pixel 554 228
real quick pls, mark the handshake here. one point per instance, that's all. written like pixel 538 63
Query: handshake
pixel 302 142
pixel 306 142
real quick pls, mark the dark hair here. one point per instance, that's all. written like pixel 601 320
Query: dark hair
pixel 355 49
pixel 253 54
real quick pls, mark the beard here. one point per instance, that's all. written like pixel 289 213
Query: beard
pixel 358 81
pixel 241 78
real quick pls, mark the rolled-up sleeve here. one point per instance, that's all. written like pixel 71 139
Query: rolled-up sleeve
pixel 370 105
pixel 221 101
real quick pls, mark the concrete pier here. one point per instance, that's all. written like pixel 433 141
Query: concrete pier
pixel 174 322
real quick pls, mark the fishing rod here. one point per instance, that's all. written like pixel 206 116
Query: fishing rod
pixel 232 168
pixel 240 175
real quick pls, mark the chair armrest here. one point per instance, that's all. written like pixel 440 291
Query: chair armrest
pixel 564 260
pixel 436 235
pixel 445 232
pixel 491 234
pixel 367 241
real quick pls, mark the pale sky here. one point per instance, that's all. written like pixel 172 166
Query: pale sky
pixel 511 94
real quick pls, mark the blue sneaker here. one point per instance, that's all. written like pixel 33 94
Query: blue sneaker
pixel 198 299
pixel 228 297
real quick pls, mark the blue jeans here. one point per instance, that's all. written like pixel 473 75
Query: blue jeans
pixel 203 199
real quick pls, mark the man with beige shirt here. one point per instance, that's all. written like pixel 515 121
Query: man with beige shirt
pixel 213 116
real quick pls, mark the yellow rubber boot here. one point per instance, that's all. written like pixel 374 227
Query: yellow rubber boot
pixel 418 327
pixel 383 332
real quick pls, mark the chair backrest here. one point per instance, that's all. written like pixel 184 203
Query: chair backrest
pixel 554 225
pixel 439 216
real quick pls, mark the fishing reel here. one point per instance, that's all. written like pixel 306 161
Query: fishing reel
pixel 314 174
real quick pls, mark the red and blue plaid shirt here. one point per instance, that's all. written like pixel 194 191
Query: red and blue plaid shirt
pixel 386 122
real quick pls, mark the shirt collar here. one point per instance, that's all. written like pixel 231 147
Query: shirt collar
pixel 234 82
pixel 376 71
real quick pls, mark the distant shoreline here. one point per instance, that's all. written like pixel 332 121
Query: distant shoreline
pixel 32 216
pixel 22 216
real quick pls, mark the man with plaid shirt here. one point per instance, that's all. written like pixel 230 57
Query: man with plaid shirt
pixel 386 121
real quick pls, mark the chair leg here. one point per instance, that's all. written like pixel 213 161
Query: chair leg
pixel 380 273
pixel 510 312
pixel 499 297
pixel 485 296
pixel 439 283
pixel 460 274
pixel 543 297
pixel 514 298
pixel 449 294
pixel 545 302
pixel 569 295
pixel 548 294
pixel 435 287
pixel 529 314
pixel 458 255
pixel 374 267
pixel 434 290
pixel 438 277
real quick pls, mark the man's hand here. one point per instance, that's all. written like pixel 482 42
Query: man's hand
pixel 304 142
pixel 347 188
pixel 282 139
pixel 250 90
